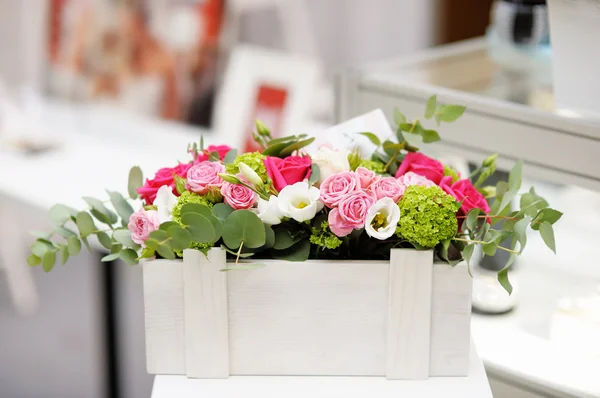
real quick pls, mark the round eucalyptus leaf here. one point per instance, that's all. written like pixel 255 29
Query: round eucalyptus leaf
pixel 59 214
pixel 165 252
pixel 195 208
pixel 123 236
pixel 110 257
pixel 181 237
pixel 49 260
pixel 222 211
pixel 129 256
pixel 104 240
pixel 33 260
pixel 123 208
pixel 200 227
pixel 74 245
pixel 85 224
pixel 243 226
pixel 64 254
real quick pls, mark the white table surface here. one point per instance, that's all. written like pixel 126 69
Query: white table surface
pixel 475 385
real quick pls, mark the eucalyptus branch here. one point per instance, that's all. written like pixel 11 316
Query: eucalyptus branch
pixel 482 243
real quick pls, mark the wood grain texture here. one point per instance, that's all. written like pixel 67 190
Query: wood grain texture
pixel 409 314
pixel 206 327
pixel 164 316
pixel 309 318
pixel 450 320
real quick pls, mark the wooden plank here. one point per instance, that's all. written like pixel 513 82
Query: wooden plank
pixel 163 305
pixel 409 314
pixel 206 326
pixel 309 318
pixel 450 320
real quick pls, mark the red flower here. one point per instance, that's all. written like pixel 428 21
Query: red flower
pixel 465 191
pixel 288 171
pixel 421 165
pixel 163 176
pixel 220 149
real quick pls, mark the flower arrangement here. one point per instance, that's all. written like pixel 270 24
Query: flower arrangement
pixel 285 203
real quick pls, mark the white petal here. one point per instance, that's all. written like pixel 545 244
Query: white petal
pixel 165 201
pixel 304 214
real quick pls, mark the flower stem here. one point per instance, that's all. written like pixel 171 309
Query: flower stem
pixel 239 252
pixel 482 242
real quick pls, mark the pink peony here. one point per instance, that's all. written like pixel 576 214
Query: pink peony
pixel 288 171
pixel 421 165
pixel 353 209
pixel 411 178
pixel 141 223
pixel 163 176
pixel 465 191
pixel 220 149
pixel 203 176
pixel 388 187
pixel 367 177
pixel 238 196
pixel 338 186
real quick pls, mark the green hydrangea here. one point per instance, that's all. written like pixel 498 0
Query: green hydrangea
pixel 185 198
pixel 373 165
pixel 427 216
pixel 324 238
pixel 255 160
pixel 449 171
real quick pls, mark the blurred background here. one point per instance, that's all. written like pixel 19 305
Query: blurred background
pixel 89 88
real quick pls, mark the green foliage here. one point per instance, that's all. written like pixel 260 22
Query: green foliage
pixel 485 171
pixel 135 181
pixel 185 198
pixel 373 138
pixel 449 171
pixel 243 227
pixel 354 159
pixel 373 165
pixel 284 146
pixel 254 160
pixel 298 252
pixel 323 237
pixel 315 174
pixel 430 107
pixel 427 216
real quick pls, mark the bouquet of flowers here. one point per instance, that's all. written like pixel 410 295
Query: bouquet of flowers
pixel 286 203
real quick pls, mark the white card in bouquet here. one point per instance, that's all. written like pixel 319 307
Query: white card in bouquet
pixel 345 135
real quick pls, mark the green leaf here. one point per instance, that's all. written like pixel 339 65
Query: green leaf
pixel 520 232
pixel 110 257
pixel 449 113
pixel 490 248
pixel 104 240
pixel 200 227
pixel 430 107
pixel 100 211
pixel 547 233
pixel 64 232
pixel 472 219
pixel 468 253
pixel 515 177
pixel 230 156
pixel 545 215
pixel 243 226
pixel 201 143
pixel 269 237
pixel 179 183
pixel 166 225
pixel 299 252
pixel 399 118
pixel 181 237
pixel 315 174
pixel 48 260
pixel 526 202
pixel 222 211
pixel 242 267
pixel 86 244
pixel 284 238
pixel 74 245
pixel 85 224
pixel 372 137
pixel 40 234
pixel 59 214
pixel 214 156
pixel 407 127
pixel 294 147
pixel 122 207
pixel 285 140
pixel 430 136
pixel 116 247
pixel 196 208
pixel 165 252
pixel 123 236
pixel 129 256
pixel 262 129
pixel 41 246
pixel 147 253
pixel 33 260
pixel 503 279
pixel 135 181
pixel 64 254
pixel 159 236
pixel 235 253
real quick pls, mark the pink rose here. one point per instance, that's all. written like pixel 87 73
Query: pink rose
pixel 163 176
pixel 337 225
pixel 388 187
pixel 353 210
pixel 238 196
pixel 421 165
pixel 220 149
pixel 338 186
pixel 411 178
pixel 367 177
pixel 203 176
pixel 465 191
pixel 288 171
pixel 141 223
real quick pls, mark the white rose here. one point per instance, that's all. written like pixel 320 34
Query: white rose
pixel 382 219
pixel 330 162
pixel 164 202
pixel 268 211
pixel 299 201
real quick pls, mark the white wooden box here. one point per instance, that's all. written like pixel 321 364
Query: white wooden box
pixel 407 318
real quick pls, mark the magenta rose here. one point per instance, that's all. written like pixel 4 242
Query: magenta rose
pixel 367 177
pixel 238 196
pixel 388 187
pixel 338 186
pixel 288 171
pixel 203 176
pixel 220 149
pixel 162 177
pixel 421 165
pixel 353 209
pixel 141 223
pixel 465 191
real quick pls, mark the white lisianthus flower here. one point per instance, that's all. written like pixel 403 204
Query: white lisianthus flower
pixel 299 201
pixel 164 202
pixel 250 174
pixel 268 211
pixel 382 219
pixel 330 162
